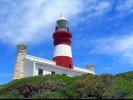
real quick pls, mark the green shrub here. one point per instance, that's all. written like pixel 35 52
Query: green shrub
pixel 129 96
pixel 48 95
pixel 118 93
pixel 1 87
pixel 90 87
pixel 87 86
pixel 106 78
pixel 68 91
pixel 29 90
pixel 12 95
pixel 127 75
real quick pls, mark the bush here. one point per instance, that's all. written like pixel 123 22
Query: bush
pixel 90 87
pixel 87 86
pixel 48 95
pixel 118 93
pixel 29 90
pixel 68 91
pixel 127 75
pixel 106 78
pixel 12 95
pixel 1 87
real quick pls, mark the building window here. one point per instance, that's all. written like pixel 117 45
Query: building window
pixel 40 71
pixel 64 74
pixel 52 72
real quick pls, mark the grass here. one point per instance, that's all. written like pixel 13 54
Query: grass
pixel 121 84
pixel 34 80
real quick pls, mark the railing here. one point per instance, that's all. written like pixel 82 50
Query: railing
pixel 40 58
pixel 62 29
pixel 81 69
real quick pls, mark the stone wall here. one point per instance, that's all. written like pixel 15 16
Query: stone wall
pixel 19 66
pixel 90 68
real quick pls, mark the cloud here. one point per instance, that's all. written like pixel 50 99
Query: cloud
pixel 94 9
pixel 99 8
pixel 125 6
pixel 4 74
pixel 31 21
pixel 116 46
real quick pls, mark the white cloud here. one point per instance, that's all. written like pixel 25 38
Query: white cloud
pixel 31 21
pixel 102 8
pixel 125 6
pixel 120 47
pixel 93 9
pixel 4 74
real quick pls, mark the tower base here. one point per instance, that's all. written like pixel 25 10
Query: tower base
pixel 64 61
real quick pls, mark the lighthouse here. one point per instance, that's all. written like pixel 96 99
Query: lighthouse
pixel 62 44
pixel 62 63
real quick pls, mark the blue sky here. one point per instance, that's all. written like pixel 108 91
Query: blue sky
pixel 102 32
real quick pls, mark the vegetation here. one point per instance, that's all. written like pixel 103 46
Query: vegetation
pixel 104 86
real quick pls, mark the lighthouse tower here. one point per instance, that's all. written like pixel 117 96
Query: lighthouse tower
pixel 62 44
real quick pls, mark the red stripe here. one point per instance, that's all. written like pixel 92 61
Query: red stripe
pixel 58 35
pixel 64 61
pixel 62 41
pixel 61 34
pixel 62 37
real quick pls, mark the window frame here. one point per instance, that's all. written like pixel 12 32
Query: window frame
pixel 52 72
pixel 40 71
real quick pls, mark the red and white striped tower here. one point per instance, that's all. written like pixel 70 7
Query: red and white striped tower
pixel 62 44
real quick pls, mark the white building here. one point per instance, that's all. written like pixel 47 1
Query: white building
pixel 27 65
pixel 62 63
pixel 34 66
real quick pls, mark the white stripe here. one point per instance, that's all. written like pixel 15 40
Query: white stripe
pixel 62 50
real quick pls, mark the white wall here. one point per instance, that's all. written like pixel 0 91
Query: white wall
pixel 73 73
pixel 31 69
pixel 28 68
pixel 62 50
pixel 48 69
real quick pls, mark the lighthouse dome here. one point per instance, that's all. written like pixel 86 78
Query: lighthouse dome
pixel 62 22
pixel 61 18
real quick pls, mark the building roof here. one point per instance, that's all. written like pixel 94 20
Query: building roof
pixel 41 60
pixel 62 18
pixel 53 64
